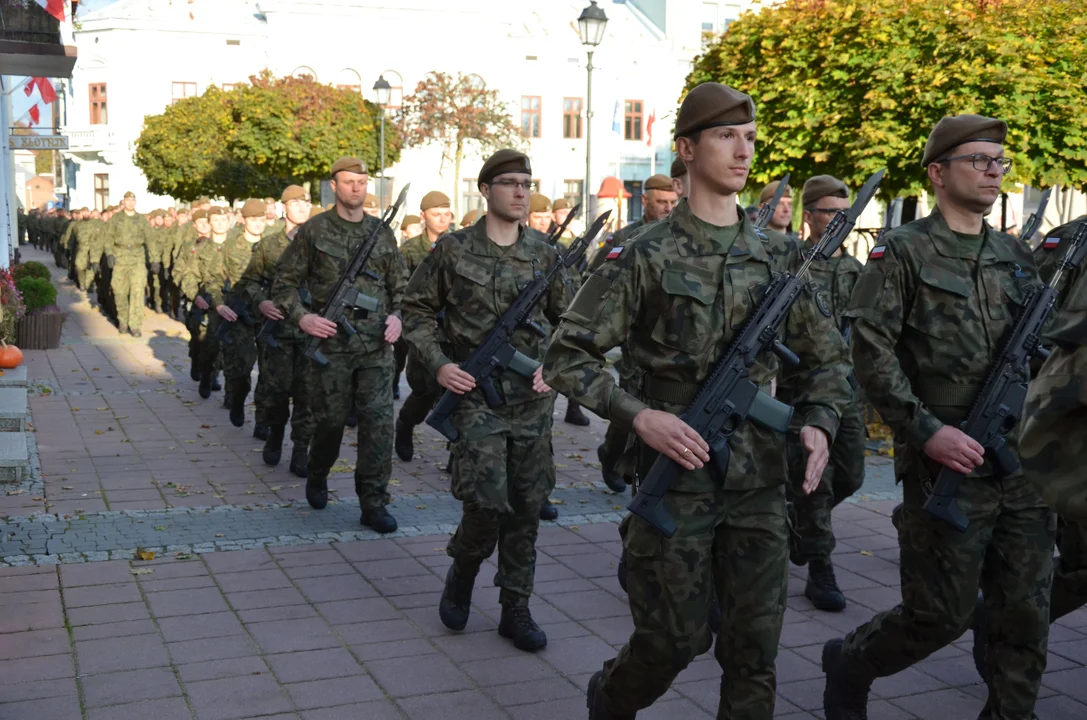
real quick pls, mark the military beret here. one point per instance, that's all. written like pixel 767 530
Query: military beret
pixel 504 161
pixel 253 208
pixel 217 210
pixel 956 130
pixel 202 200
pixel 821 186
pixel 350 164
pixel 293 192
pixel 469 218
pixel 434 199
pixel 679 168
pixel 268 201
pixel 561 204
pixel 410 220
pixel 769 190
pixel 370 202
pixel 199 214
pixel 713 105
pixel 657 182
pixel 130 194
pixel 539 203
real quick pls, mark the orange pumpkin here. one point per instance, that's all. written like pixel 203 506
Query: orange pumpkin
pixel 10 356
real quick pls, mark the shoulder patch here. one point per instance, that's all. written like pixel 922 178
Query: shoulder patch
pixel 615 253
pixel 823 303
pixel 877 252
pixel 1051 243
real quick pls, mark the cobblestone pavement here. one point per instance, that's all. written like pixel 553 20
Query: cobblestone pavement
pixel 256 606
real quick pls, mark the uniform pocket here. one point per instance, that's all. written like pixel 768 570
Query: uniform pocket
pixel 942 300
pixel 686 321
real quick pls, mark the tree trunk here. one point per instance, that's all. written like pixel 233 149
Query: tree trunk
pixel 457 157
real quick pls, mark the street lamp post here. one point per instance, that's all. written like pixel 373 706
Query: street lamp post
pixel 382 89
pixel 590 26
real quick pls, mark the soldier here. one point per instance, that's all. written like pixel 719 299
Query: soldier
pixel 812 540
pixel 157 240
pixel 677 294
pixel 99 264
pixel 659 199
pixel 21 224
pixel 934 295
pixel 425 390
pixel 469 218
pixel 560 210
pixel 61 222
pixel 370 206
pixel 782 219
pixel 127 237
pixel 272 223
pixel 410 227
pixel 360 367
pixel 187 277
pixel 503 467
pixel 282 373
pixel 678 173
pixel 81 256
pixel 208 268
pixel 539 213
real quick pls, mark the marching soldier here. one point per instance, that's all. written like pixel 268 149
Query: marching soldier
pixel 933 299
pixel 187 276
pixel 560 210
pixel 156 244
pixel 678 173
pixel 659 197
pixel 360 367
pixel 539 213
pixel 469 219
pixel 128 234
pixel 209 270
pixel 411 226
pixel 782 218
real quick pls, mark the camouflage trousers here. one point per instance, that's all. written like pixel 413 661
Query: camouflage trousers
pixel 731 541
pixel 425 392
pixel 363 383
pixel 503 468
pixel 813 534
pixel 1070 575
pixel 86 278
pixel 128 295
pixel 105 290
pixel 1008 551
pixel 154 288
pixel 239 357
pixel 281 379
pixel 615 439
pixel 211 360
pixel 198 329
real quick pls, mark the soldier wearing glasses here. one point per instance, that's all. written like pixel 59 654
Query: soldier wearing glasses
pixel 929 312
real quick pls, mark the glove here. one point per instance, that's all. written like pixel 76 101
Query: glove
pixel 110 260
pixel 155 267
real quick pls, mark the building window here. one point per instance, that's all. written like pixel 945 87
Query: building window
pixel 352 88
pixel 101 191
pixel 530 116
pixel 634 202
pixel 97 94
pixel 573 191
pixel 716 17
pixel 571 118
pixel 632 129
pixel 470 198
pixel 227 87
pixel 182 90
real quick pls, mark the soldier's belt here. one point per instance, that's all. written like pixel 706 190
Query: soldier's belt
pixel 947 395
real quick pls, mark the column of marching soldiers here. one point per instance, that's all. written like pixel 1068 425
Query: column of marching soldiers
pixel 737 415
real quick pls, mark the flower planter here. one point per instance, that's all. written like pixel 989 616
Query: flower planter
pixel 40 331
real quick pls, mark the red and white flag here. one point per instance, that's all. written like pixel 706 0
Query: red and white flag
pixel 53 7
pixel 649 128
pixel 35 115
pixel 45 89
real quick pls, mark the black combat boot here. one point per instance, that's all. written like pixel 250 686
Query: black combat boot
pixel 273 446
pixel 574 416
pixel 261 431
pixel 456 603
pixel 352 420
pixel 517 625
pixel 548 511
pixel 842 698
pixel 194 373
pixel 595 701
pixel 237 403
pixel 612 479
pixel 822 588
pixel 228 399
pixel 317 493
pixel 715 618
pixel 299 463
pixel 379 520
pixel 403 442
pixel 215 382
pixel 205 386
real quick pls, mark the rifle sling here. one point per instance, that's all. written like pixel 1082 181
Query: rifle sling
pixel 955 396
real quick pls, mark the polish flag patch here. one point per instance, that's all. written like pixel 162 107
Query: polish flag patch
pixel 615 253
pixel 1051 243
pixel 877 252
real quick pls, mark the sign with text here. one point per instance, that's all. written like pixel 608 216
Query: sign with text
pixel 38 142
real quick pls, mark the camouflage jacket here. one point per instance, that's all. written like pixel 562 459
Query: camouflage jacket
pixel 600 253
pixel 318 257
pixel 678 294
pixel 929 320
pixel 784 250
pixel 219 263
pixel 415 250
pixel 187 266
pixel 157 239
pixel 127 237
pixel 96 241
pixel 474 281
pixel 260 275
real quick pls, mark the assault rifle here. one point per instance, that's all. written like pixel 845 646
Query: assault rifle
pixel 766 212
pixel 1035 220
pixel 496 354
pixel 728 397
pixel 344 296
pixel 999 405
pixel 197 312
pixel 268 330
pixel 240 305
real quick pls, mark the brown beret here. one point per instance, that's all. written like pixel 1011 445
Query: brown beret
pixel 769 190
pixel 679 168
pixel 821 186
pixel 293 192
pixel 956 130
pixel 539 203
pixel 202 200
pixel 657 182
pixel 217 210
pixel 434 199
pixel 370 201
pixel 199 214
pixel 130 194
pixel 469 218
pixel 350 164
pixel 253 208
pixel 268 201
pixel 504 161
pixel 561 204
pixel 713 105
pixel 410 220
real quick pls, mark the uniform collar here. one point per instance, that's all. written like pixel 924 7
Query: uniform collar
pixel 480 244
pixel 993 248
pixel 691 240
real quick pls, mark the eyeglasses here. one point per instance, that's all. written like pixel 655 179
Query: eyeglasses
pixel 828 211
pixel 513 184
pixel 982 162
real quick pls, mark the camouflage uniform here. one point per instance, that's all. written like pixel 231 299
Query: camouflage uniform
pixel 127 238
pixel 425 390
pixel 615 240
pixel 157 240
pixel 503 464
pixel 183 241
pixel 81 255
pixel 925 334
pixel 58 241
pixel 97 255
pixel 187 276
pixel 221 266
pixel 813 534
pixel 282 371
pixel 678 294
pixel 359 373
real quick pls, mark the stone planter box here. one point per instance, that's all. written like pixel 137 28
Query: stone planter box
pixel 40 331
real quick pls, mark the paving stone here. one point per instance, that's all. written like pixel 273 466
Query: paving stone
pixel 237 697
pixel 128 687
pixel 464 705
pixel 58 707
pixel 331 692
pixel 424 674
pixel 293 635
pixel 313 665
pixel 380 710
pixel 115 654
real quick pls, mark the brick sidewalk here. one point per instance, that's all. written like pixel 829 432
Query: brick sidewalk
pixel 346 626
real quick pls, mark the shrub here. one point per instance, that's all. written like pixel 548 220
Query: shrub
pixel 37 293
pixel 30 269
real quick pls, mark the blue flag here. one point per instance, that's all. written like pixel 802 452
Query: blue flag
pixel 616 127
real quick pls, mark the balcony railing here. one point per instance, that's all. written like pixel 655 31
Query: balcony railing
pixel 92 139
pixel 26 21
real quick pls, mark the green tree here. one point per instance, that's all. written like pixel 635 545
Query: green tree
pixel 846 88
pixel 258 137
pixel 452 111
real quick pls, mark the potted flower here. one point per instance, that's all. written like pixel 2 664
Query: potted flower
pixel 40 328
pixel 11 306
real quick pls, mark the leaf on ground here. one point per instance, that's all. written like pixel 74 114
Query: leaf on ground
pixel 141 571
pixel 145 554
pixel 220 534
pixel 160 528
pixel 99 432
pixel 420 507
pixel 275 488
pixel 866 553
pixel 557 502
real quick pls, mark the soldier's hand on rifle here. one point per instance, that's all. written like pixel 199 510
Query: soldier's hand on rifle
pixel 538 383
pixel 815 442
pixel 393 326
pixel 201 303
pixel 955 449
pixel 226 313
pixel 670 436
pixel 269 310
pixel 317 326
pixel 455 380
